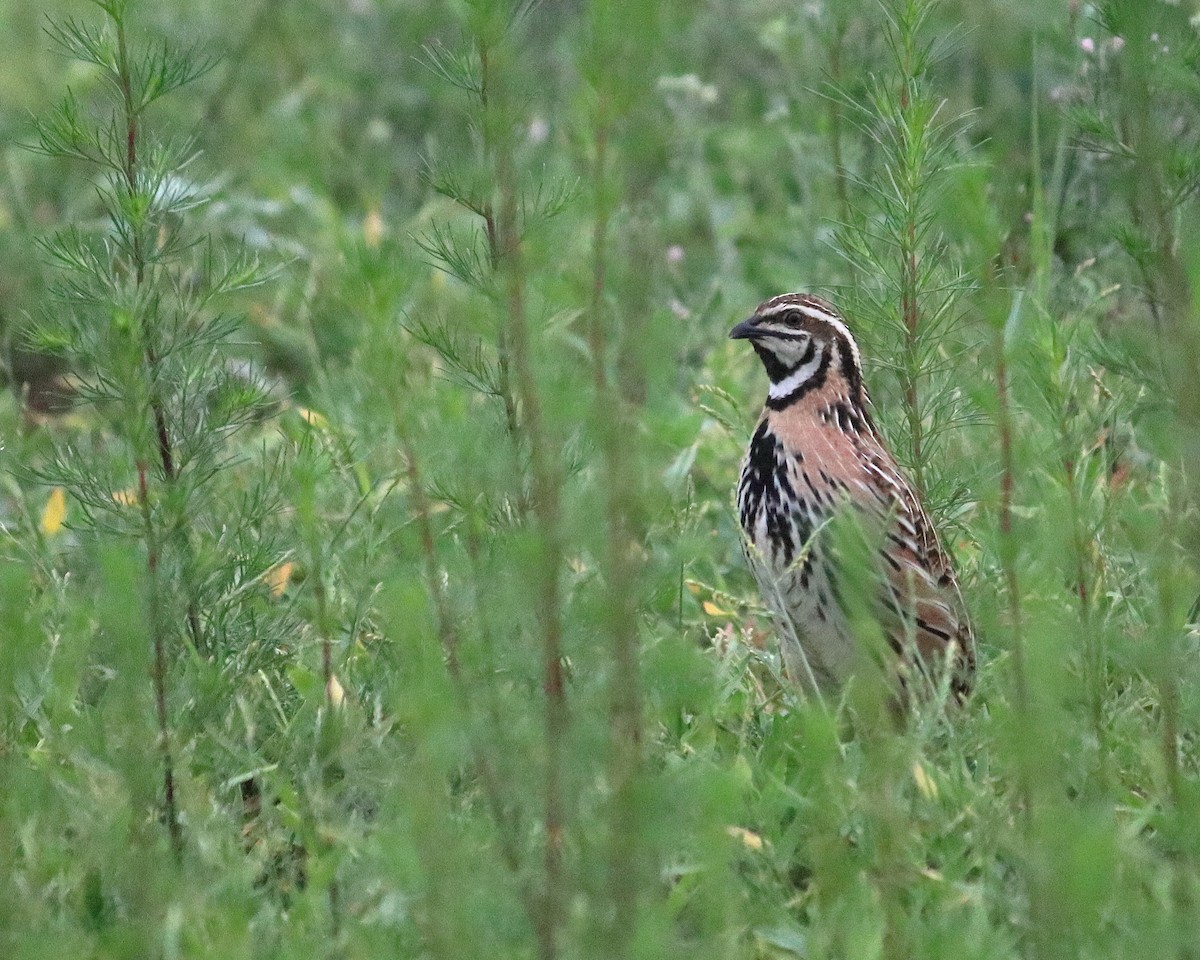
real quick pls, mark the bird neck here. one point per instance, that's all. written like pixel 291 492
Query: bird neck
pixel 826 368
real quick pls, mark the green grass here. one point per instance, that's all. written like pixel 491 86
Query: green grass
pixel 443 603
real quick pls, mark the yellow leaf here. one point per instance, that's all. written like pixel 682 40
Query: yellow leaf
pixel 312 418
pixel 334 692
pixel 713 610
pixel 277 578
pixel 126 498
pixel 748 837
pixel 373 228
pixel 55 512
pixel 925 783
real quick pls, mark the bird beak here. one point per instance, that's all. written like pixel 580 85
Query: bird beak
pixel 746 330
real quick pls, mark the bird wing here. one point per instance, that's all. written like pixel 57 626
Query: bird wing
pixel 923 609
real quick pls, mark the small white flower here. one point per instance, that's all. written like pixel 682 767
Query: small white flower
pixel 1087 45
pixel 379 130
pixel 689 87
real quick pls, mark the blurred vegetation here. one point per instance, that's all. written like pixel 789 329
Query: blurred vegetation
pixel 431 636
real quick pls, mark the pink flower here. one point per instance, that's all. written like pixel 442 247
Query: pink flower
pixel 1087 45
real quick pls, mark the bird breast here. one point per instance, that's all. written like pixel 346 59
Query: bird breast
pixel 783 499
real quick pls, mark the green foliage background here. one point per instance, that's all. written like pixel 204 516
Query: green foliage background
pixel 480 670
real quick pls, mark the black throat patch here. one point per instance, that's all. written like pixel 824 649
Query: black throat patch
pixel 812 383
pixel 776 369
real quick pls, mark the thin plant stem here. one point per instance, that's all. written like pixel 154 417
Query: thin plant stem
pixel 495 251
pixel 1169 289
pixel 1168 684
pixel 1093 644
pixel 159 670
pixel 1008 561
pixel 1008 543
pixel 909 126
pixel 546 508
pixel 1045 218
pixel 162 434
pixel 507 827
pixel 166 458
pixel 324 625
pixel 625 695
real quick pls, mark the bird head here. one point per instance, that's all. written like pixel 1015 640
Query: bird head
pixel 800 340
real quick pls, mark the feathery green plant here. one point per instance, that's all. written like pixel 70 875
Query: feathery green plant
pixel 135 313
pixel 474 666
pixel 1142 117
pixel 907 283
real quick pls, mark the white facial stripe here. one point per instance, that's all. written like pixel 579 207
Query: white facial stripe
pixel 816 313
pixel 781 329
pixel 842 329
pixel 793 380
pixel 771 309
